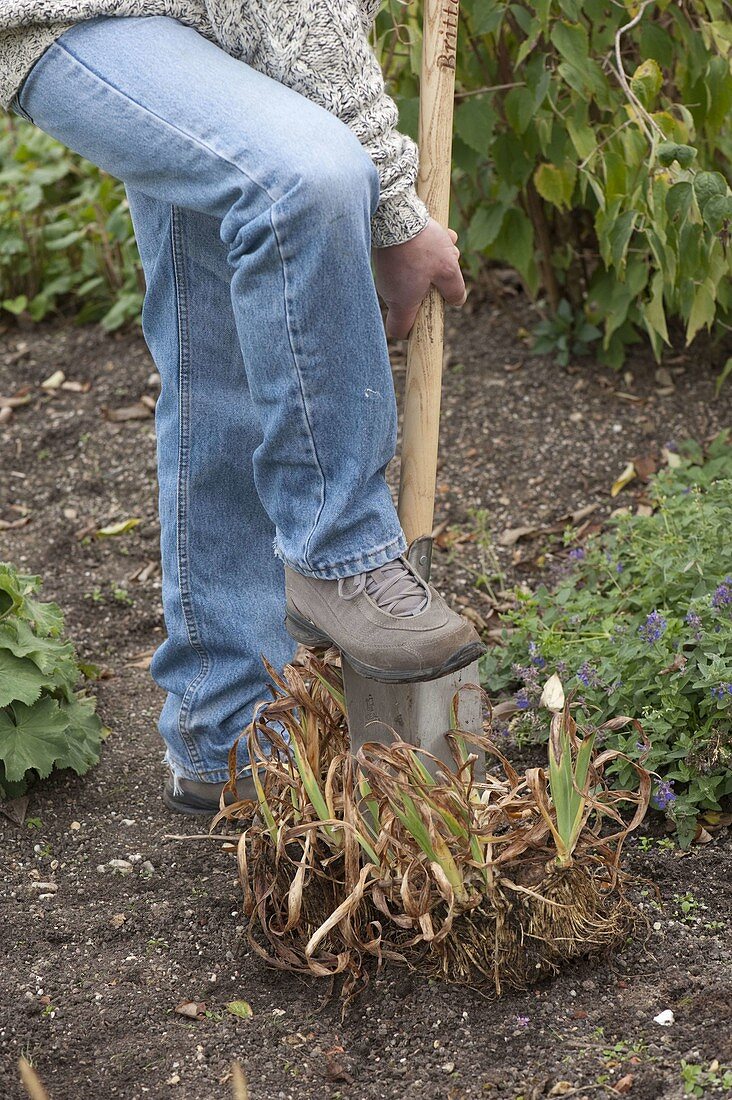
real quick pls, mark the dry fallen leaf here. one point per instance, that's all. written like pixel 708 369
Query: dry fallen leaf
pixel 625 478
pixel 15 809
pixel 671 458
pixel 561 1088
pixel 11 525
pixel 22 397
pixel 194 1010
pixel 678 663
pixel 76 387
pixel 474 616
pixel 117 920
pixel 628 396
pixel 54 380
pixel 336 1066
pixel 645 466
pixel 120 528
pixel 716 820
pixel 625 1084
pixel 130 412
pixel 142 660
pixel 512 535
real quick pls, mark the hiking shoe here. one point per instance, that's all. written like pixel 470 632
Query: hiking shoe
pixel 188 796
pixel 389 624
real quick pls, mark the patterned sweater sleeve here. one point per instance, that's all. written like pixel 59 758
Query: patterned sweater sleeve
pixel 321 49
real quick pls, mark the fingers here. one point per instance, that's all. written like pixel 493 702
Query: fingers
pixel 400 321
pixel 453 235
pixel 451 285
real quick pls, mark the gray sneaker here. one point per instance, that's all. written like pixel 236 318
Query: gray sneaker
pixel 189 796
pixel 389 624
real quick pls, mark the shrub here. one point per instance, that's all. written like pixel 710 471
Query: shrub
pixel 641 625
pixel 606 192
pixel 44 723
pixel 65 232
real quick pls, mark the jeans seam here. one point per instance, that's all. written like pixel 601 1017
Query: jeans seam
pixel 359 557
pixel 238 168
pixel 324 572
pixel 189 617
pixel 301 386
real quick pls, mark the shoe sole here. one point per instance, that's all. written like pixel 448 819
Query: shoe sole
pixel 190 809
pixel 307 634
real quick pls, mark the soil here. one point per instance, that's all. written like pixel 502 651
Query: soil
pixel 95 968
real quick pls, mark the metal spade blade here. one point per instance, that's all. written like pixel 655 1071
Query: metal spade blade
pixel 418 713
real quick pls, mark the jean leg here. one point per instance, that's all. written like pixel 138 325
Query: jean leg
pixel 223 589
pixel 179 119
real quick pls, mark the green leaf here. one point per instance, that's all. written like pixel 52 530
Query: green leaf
pixel 475 120
pixel 515 244
pixel 46 618
pixel 678 200
pixel 49 654
pixel 242 1009
pixel 717 212
pixel 703 310
pixel 11 599
pixel 15 305
pixel 519 107
pixel 572 42
pixel 722 377
pixel 619 237
pixel 485 225
pixel 31 738
pixel 581 134
pixel 555 184
pixel 83 736
pixel 653 310
pixel 20 679
pixel 668 152
pixel 646 82
pixel 487 18
pixel 708 184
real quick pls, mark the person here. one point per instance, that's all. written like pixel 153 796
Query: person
pixel 264 171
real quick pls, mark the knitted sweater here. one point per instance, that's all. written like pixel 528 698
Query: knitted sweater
pixel 318 47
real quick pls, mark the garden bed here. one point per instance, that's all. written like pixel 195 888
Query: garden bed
pixel 97 967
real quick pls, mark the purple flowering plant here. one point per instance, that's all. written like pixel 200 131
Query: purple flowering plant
pixel 652 641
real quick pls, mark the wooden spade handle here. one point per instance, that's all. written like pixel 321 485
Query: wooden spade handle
pixel 421 426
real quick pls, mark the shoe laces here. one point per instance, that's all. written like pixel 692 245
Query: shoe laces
pixel 393 587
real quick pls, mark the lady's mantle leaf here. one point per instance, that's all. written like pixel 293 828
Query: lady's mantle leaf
pixel 20 679
pixel 32 737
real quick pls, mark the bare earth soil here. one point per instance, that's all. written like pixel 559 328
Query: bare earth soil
pixel 91 973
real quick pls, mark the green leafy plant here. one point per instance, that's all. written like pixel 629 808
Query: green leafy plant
pixel 565 335
pixel 65 233
pixel 592 153
pixel 641 625
pixel 44 722
pixel 700 1081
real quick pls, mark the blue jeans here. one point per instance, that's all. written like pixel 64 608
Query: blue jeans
pixel 277 417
